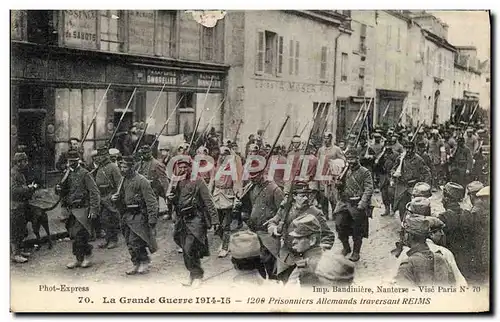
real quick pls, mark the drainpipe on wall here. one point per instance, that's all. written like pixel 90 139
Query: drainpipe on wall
pixel 334 88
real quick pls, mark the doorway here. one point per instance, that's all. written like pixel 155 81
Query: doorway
pixel 31 140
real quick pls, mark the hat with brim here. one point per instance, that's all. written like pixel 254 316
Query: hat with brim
pixel 454 191
pixel 114 152
pixel 244 244
pixel 305 225
pixel 420 206
pixel 474 187
pixel 435 224
pixel 335 268
pixel 417 225
pixel 422 189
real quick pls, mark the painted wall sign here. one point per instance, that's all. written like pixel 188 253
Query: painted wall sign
pixel 204 80
pixel 285 86
pixel 80 28
pixel 161 77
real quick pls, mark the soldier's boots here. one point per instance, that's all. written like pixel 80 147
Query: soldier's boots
pixel 223 253
pixel 346 247
pixel 356 250
pixel 112 245
pixel 143 268
pixel 133 270
pixel 19 259
pixel 74 264
pixel 86 262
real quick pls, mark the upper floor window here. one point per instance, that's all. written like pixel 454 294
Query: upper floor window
pixel 294 57
pixel 344 67
pixel 362 39
pixel 111 35
pixel 269 57
pixel 208 39
pixel 323 64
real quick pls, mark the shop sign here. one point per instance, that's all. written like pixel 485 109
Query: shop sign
pixel 285 86
pixel 155 76
pixel 204 80
pixel 80 28
pixel 187 79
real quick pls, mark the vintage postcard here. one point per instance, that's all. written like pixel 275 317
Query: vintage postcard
pixel 250 161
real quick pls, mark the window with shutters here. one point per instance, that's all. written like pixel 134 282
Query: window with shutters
pixel 389 32
pixel 208 39
pixel 297 57
pixel 440 65
pixel 344 67
pixel 269 57
pixel 362 39
pixel 397 75
pixel 111 30
pixel 323 64
pixel 398 45
pixel 293 57
pixel 428 61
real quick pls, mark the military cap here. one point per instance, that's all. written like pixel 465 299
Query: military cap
pixel 469 129
pixel 434 131
pixel 305 225
pixel 94 153
pixel 224 149
pixel 128 160
pixel 485 192
pixel 114 152
pixel 202 150
pixel 328 134
pixel 419 206
pixel 434 126
pixel 19 156
pixel 351 154
pixel 253 148
pixel 352 136
pixel 135 124
pixel 408 143
pixel 296 139
pixel 417 225
pixel 474 187
pixel 453 127
pixel 244 244
pixel 102 151
pixel 73 155
pixel 422 189
pixel 435 224
pixel 377 135
pixel 454 191
pixel 186 160
pixel 334 267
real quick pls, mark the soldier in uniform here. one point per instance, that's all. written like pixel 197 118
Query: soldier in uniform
pixel 354 207
pixel 422 266
pixel 262 199
pixel 460 163
pixel 387 162
pixel 314 266
pixel 21 193
pixel 366 154
pixel 108 178
pixel 80 195
pixel 436 147
pixel 206 176
pixel 413 170
pixel 196 213
pixel 281 226
pixel 328 152
pixel 154 171
pixel 139 209
pixel 245 257
pixel 395 145
pixel 225 190
pixel 115 156
pixel 480 214
pixel 471 141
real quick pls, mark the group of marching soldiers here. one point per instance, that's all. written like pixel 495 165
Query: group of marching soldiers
pixel 282 224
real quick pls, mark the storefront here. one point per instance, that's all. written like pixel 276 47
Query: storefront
pixel 56 91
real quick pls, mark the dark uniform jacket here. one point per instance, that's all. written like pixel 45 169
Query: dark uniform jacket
pixel 154 171
pixel 387 162
pixel 262 202
pixel 424 268
pixel 435 151
pixel 363 153
pixel 286 256
pixel 139 207
pixel 462 160
pixel 196 212
pixel 358 189
pixel 413 169
pixel 80 194
pixel 108 178
pixel 20 193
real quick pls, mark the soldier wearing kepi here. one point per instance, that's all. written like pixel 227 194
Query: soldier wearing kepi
pixel 196 213
pixel 80 194
pixel 139 208
pixel 154 171
pixel 406 173
pixel 313 265
pixel 108 178
pixel 281 225
pixel 21 192
pixel 354 208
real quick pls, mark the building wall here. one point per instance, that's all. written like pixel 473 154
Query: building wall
pixel 266 97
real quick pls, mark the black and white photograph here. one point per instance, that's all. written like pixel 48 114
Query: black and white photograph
pixel 250 160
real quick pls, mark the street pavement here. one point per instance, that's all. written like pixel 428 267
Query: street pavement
pixel 376 263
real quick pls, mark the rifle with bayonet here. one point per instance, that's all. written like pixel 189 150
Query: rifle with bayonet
pixel 122 116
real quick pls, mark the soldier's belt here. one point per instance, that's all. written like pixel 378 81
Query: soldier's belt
pixel 353 200
pixel 76 204
pixel 187 211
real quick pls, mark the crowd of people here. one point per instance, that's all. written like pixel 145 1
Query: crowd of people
pixel 282 231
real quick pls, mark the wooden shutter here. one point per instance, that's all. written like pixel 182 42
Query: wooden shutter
pixel 261 52
pixel 297 55
pixel 323 65
pixel 291 58
pixel 279 60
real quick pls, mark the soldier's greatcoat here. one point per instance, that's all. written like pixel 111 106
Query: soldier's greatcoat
pixel 154 171
pixel 304 273
pixel 196 213
pixel 262 202
pixel 139 208
pixel 108 179
pixel 459 163
pixel 413 169
pixel 81 196
pixel 287 258
pixel 349 220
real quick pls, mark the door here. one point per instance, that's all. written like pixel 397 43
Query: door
pixel 31 140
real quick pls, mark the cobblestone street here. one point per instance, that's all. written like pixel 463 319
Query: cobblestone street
pixel 167 267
